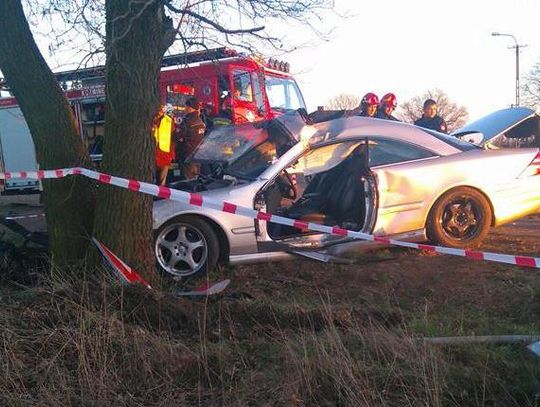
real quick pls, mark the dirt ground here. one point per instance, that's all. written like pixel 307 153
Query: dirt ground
pixel 408 274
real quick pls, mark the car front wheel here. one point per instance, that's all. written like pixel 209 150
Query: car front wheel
pixel 461 218
pixel 186 246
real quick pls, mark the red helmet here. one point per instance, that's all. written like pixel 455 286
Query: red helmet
pixel 389 100
pixel 370 99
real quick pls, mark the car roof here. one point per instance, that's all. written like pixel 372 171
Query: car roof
pixel 355 127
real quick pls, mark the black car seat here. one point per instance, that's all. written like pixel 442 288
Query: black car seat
pixel 336 197
pixel 312 206
pixel 345 200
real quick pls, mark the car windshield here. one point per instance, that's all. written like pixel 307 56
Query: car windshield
pixel 248 149
pixel 283 93
pixel 453 141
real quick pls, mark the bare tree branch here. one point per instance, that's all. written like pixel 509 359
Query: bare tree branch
pixel 531 87
pixel 220 28
pixel 82 25
pixel 343 102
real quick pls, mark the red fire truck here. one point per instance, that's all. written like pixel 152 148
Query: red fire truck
pixel 231 86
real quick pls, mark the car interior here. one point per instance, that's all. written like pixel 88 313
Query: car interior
pixel 332 194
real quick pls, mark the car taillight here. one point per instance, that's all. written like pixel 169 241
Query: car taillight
pixel 533 168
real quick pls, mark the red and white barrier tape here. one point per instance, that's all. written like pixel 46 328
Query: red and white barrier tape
pixel 199 200
pixel 125 273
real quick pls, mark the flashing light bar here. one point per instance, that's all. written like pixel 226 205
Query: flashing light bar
pixel 278 65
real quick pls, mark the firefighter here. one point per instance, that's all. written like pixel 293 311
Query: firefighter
pixel 206 116
pixel 430 119
pixel 387 106
pixel 224 117
pixel 368 105
pixel 162 129
pixel 190 134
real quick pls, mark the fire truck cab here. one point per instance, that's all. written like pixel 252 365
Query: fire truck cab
pixel 232 87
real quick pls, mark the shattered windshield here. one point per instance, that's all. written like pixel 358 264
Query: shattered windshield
pixel 246 150
pixel 226 143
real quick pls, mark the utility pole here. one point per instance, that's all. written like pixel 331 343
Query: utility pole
pixel 516 46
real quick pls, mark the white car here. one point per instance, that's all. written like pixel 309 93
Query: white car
pixel 379 177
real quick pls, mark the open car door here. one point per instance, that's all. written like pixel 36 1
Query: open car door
pixel 330 184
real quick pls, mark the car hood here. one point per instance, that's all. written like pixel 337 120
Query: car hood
pixel 481 131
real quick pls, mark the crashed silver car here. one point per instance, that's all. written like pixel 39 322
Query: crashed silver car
pixel 380 177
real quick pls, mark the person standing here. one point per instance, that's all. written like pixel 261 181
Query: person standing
pixel 162 129
pixel 368 105
pixel 190 134
pixel 430 119
pixel 387 106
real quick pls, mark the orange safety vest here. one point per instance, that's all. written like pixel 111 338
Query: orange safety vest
pixel 163 133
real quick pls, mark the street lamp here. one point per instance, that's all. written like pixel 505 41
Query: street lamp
pixel 516 47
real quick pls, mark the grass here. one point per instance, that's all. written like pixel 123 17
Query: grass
pixel 67 342
pixel 308 334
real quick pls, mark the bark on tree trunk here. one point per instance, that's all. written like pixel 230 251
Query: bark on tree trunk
pixel 69 202
pixel 137 35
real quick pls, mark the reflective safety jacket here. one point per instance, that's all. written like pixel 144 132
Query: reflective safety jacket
pixel 163 133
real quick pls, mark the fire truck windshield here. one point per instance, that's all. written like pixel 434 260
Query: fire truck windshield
pixel 283 93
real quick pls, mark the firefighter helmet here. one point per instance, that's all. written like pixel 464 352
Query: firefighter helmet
pixel 370 99
pixel 389 100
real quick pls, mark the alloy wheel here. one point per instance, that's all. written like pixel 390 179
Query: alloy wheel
pixel 181 249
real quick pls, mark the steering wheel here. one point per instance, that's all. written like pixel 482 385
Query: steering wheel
pixel 289 185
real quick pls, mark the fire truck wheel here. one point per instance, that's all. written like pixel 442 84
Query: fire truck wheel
pixel 186 246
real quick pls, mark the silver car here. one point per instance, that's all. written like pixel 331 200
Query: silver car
pixel 380 177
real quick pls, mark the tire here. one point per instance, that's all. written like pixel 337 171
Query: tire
pixel 191 253
pixel 461 218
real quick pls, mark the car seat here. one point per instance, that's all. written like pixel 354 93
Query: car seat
pixel 336 197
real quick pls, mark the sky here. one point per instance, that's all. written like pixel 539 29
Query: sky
pixel 408 47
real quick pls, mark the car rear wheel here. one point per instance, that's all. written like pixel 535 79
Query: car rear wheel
pixel 461 218
pixel 186 246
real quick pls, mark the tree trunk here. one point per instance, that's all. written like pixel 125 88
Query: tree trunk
pixel 137 35
pixel 68 202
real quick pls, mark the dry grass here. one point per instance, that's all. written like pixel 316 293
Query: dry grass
pixel 70 343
